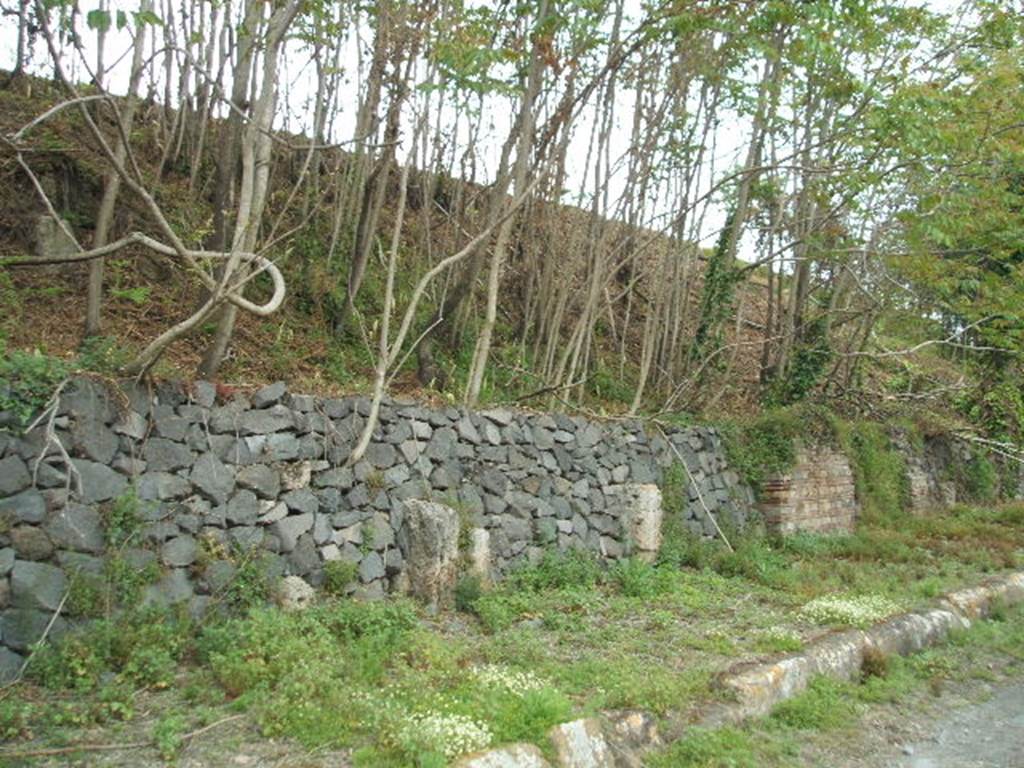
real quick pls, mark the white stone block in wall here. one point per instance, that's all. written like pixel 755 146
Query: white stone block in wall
pixel 642 514
pixel 296 475
pixel 430 542
pixel 293 593
pixel 479 554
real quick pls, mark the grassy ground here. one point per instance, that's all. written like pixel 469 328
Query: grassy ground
pixel 382 685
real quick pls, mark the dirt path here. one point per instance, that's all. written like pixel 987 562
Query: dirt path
pixel 976 736
pixel 974 724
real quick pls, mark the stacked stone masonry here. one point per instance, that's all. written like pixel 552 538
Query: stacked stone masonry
pixel 928 481
pixel 269 471
pixel 817 495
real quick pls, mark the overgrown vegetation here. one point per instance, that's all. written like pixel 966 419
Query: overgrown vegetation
pixel 27 381
pixel 559 638
pixel 879 470
pixel 766 445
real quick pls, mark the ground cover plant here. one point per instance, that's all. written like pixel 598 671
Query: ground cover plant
pixel 390 686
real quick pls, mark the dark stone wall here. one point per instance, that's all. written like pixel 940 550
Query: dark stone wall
pixel 269 471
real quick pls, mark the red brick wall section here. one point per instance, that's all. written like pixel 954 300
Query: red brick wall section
pixel 817 495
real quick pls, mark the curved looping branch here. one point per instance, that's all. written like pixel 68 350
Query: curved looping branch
pixel 259 263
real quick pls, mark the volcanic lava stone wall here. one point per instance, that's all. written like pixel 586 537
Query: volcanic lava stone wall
pixel 269 471
pixel 928 470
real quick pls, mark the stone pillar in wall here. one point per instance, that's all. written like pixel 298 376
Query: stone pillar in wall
pixel 641 515
pixel 429 539
pixel 925 463
pixel 52 241
pixel 478 555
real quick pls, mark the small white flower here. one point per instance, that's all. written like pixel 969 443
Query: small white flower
pixel 853 610
pixel 517 682
pixel 451 735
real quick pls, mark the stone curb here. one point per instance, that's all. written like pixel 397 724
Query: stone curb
pixel 758 689
pixel 619 739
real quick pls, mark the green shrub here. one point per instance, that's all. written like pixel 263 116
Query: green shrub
pixel 810 358
pixel 574 568
pixel 608 386
pixel 500 609
pixel 778 641
pixel 635 578
pixel 307 674
pixel 339 575
pixel 86 595
pixel 825 705
pixel 762 447
pixel 121 518
pixel 142 647
pixel 682 548
pixel 250 586
pixel 766 445
pixel 980 480
pixel 886 679
pixel 27 381
pixel 75 662
pixel 125 582
pixel 673 491
pixel 723 748
pixel 527 717
pixel 754 558
pixel 102 354
pixel 996 405
pixel 879 470
pixel 468 591
pixel 16 718
pixel 167 735
pixel 387 621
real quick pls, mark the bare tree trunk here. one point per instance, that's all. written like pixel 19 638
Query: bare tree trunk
pixel 256 148
pixel 351 183
pixel 105 216
pixel 442 319
pixel 374 191
pixel 101 48
pixel 384 356
pixel 520 171
pixel 22 45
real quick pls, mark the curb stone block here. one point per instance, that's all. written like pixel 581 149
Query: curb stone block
pixel 630 734
pixel 581 744
pixel 913 632
pixel 759 688
pixel 513 756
